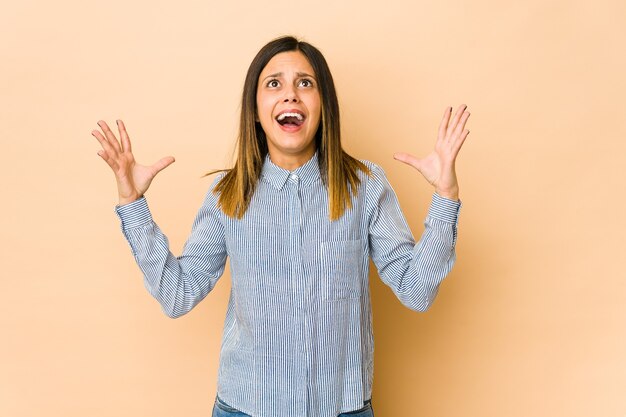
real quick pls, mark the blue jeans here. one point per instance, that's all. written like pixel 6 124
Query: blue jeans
pixel 221 409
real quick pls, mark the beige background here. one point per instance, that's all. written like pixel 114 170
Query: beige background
pixel 532 320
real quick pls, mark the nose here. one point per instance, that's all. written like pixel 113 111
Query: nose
pixel 290 96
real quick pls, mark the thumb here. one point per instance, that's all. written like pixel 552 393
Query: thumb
pixel 408 159
pixel 163 163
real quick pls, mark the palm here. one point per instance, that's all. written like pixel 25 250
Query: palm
pixel 438 167
pixel 138 181
pixel 132 178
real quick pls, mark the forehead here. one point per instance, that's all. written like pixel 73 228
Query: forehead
pixel 288 62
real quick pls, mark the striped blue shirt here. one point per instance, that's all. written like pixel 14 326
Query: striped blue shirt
pixel 298 335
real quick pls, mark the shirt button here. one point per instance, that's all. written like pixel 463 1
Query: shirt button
pixel 294 177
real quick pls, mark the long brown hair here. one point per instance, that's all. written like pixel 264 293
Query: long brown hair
pixel 338 170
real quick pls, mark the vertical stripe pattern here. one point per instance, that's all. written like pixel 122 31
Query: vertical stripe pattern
pixel 297 337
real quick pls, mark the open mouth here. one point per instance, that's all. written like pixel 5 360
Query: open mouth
pixel 290 119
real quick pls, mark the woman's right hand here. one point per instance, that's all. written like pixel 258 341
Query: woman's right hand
pixel 132 179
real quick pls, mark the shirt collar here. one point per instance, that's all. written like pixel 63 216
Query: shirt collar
pixel 306 174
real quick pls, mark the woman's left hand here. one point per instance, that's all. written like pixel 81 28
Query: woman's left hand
pixel 438 166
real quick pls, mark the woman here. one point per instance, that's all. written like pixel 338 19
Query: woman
pixel 298 219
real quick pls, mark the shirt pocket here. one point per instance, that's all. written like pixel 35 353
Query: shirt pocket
pixel 342 269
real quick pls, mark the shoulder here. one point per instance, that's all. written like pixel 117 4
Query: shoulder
pixel 374 186
pixel 369 164
pixel 219 176
pixel 212 195
pixel 376 175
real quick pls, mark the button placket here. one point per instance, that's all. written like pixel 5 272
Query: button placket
pixel 299 286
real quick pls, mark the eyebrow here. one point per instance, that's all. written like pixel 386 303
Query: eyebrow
pixel 280 74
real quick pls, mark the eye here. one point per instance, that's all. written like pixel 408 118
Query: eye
pixel 306 83
pixel 273 83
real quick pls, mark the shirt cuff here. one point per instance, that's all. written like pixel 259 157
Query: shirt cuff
pixel 444 209
pixel 134 214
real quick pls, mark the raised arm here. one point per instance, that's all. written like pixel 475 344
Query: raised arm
pixel 178 283
pixel 415 270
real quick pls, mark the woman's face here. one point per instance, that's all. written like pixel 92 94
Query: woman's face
pixel 288 108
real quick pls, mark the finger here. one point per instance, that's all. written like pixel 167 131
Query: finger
pixel 110 161
pixel 103 141
pixel 460 126
pixel 459 142
pixel 455 120
pixel 124 137
pixel 110 136
pixel 162 164
pixel 407 159
pixel 443 125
